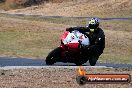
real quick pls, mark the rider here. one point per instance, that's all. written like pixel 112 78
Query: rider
pixel 97 40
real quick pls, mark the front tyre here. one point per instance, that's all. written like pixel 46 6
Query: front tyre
pixel 53 56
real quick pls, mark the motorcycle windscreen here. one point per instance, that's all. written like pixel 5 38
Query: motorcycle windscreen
pixel 70 38
pixel 83 38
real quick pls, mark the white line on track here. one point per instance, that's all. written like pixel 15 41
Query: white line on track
pixel 48 67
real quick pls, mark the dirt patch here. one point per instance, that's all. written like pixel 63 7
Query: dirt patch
pixel 55 78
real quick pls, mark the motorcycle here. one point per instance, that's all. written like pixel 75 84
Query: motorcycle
pixel 69 49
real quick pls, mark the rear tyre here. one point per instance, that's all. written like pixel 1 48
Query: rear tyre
pixel 92 61
pixel 53 56
pixel 79 63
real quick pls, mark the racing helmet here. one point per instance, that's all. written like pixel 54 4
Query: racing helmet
pixel 93 24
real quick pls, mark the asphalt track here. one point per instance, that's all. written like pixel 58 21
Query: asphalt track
pixel 43 17
pixel 8 61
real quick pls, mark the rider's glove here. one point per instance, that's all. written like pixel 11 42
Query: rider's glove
pixel 83 47
pixel 69 29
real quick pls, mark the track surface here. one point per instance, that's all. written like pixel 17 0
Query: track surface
pixel 7 61
pixel 43 17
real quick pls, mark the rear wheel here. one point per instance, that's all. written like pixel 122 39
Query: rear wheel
pixel 53 56
pixel 78 63
pixel 92 61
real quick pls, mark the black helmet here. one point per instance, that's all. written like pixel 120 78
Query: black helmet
pixel 93 24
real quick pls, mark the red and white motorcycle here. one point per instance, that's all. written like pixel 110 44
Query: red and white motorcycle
pixel 69 49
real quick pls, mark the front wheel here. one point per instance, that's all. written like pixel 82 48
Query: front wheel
pixel 53 56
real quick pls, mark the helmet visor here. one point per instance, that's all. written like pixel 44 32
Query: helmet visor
pixel 92 26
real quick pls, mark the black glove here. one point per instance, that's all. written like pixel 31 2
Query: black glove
pixel 69 29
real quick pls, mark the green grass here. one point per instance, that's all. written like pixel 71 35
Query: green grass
pixel 65 21
pixel 26 44
pixel 114 58
pixel 121 25
pixel 36 45
pixel 26 37
pixel 117 25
